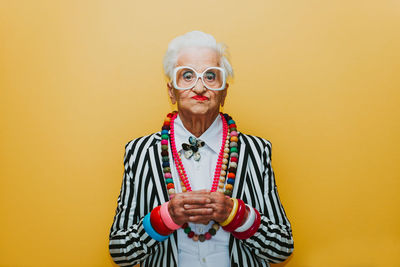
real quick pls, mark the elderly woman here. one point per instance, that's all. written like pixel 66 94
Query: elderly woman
pixel 199 193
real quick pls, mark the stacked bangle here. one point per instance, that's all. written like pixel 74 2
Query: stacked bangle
pixel 150 230
pixel 238 217
pixel 232 214
pixel 252 230
pixel 249 221
pixel 166 217
pixel 157 222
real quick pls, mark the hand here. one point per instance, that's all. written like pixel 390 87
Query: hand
pixel 191 207
pixel 221 206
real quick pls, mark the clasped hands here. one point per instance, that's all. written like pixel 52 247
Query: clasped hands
pixel 200 206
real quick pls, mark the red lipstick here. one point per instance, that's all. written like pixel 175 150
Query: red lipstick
pixel 200 97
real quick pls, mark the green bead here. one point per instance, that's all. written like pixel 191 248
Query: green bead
pixel 228 192
pixel 167 169
pixel 212 231
pixel 233 129
pixel 202 238
pixel 169 181
pixel 164 147
pixel 187 230
pixel 164 136
pixel 234 149
pixel 231 122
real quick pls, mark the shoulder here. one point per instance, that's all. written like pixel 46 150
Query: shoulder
pixel 255 142
pixel 142 143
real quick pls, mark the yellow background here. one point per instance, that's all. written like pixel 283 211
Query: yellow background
pixel 319 79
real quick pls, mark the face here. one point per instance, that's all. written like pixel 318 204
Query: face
pixel 199 100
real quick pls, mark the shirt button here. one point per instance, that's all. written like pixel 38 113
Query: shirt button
pixel 203 259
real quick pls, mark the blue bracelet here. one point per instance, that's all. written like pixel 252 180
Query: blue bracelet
pixel 150 230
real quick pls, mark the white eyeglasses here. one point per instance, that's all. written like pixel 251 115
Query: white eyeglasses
pixel 185 78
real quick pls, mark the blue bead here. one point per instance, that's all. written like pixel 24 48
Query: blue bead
pixel 230 181
pixel 165 164
pixel 231 122
pixel 164 132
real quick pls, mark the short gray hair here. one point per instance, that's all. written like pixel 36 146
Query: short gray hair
pixel 195 39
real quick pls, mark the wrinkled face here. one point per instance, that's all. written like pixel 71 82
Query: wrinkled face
pixel 199 100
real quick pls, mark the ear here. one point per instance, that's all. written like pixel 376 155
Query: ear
pixel 225 92
pixel 171 93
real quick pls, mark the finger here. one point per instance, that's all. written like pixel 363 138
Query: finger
pixel 197 200
pixel 192 206
pixel 196 212
pixel 200 219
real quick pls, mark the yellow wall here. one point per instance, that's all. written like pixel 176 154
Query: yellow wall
pixel 320 79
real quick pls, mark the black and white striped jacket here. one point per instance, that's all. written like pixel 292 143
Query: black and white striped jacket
pixel 143 188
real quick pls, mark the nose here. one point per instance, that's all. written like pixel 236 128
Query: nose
pixel 199 86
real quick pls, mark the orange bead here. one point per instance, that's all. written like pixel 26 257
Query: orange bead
pixel 234 139
pixel 231 175
pixel 228 187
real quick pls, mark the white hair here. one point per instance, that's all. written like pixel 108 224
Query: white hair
pixel 195 39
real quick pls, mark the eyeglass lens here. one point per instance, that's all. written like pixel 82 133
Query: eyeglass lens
pixel 212 78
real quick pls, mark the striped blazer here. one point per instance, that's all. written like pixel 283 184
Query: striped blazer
pixel 143 188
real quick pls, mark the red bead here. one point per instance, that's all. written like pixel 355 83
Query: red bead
pixel 231 175
pixel 190 234
pixel 207 236
pixel 170 185
pixel 234 159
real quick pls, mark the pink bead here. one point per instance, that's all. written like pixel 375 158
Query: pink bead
pixel 234 133
pixel 168 175
pixel 164 142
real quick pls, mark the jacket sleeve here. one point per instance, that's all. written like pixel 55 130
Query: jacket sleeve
pixel 273 241
pixel 129 244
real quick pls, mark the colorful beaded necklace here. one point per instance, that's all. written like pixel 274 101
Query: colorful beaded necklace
pixel 228 154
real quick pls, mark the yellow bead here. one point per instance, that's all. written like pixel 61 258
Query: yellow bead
pixel 221 185
pixel 220 190
pixel 223 173
pixel 222 179
pixel 224 161
pixel 226 155
pixel 234 139
pixel 224 167
pixel 171 191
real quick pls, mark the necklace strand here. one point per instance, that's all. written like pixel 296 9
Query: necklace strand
pixel 228 154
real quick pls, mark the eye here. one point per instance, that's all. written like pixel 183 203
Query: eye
pixel 187 75
pixel 210 76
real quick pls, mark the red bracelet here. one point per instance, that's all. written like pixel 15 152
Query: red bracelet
pixel 237 220
pixel 252 230
pixel 157 222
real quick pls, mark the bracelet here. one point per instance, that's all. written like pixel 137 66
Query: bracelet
pixel 232 214
pixel 252 230
pixel 237 220
pixel 150 231
pixel 157 222
pixel 249 222
pixel 166 217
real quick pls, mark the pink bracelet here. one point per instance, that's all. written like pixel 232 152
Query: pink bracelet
pixel 166 217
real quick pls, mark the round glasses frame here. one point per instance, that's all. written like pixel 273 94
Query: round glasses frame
pixel 199 75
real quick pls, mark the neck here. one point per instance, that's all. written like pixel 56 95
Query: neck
pixel 197 124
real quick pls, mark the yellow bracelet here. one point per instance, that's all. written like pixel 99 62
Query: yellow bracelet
pixel 232 214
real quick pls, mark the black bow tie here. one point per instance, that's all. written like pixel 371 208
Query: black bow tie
pixel 192 149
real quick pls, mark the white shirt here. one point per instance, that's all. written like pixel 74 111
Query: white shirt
pixel 213 252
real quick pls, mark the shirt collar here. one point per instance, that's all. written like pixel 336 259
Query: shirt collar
pixel 212 136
